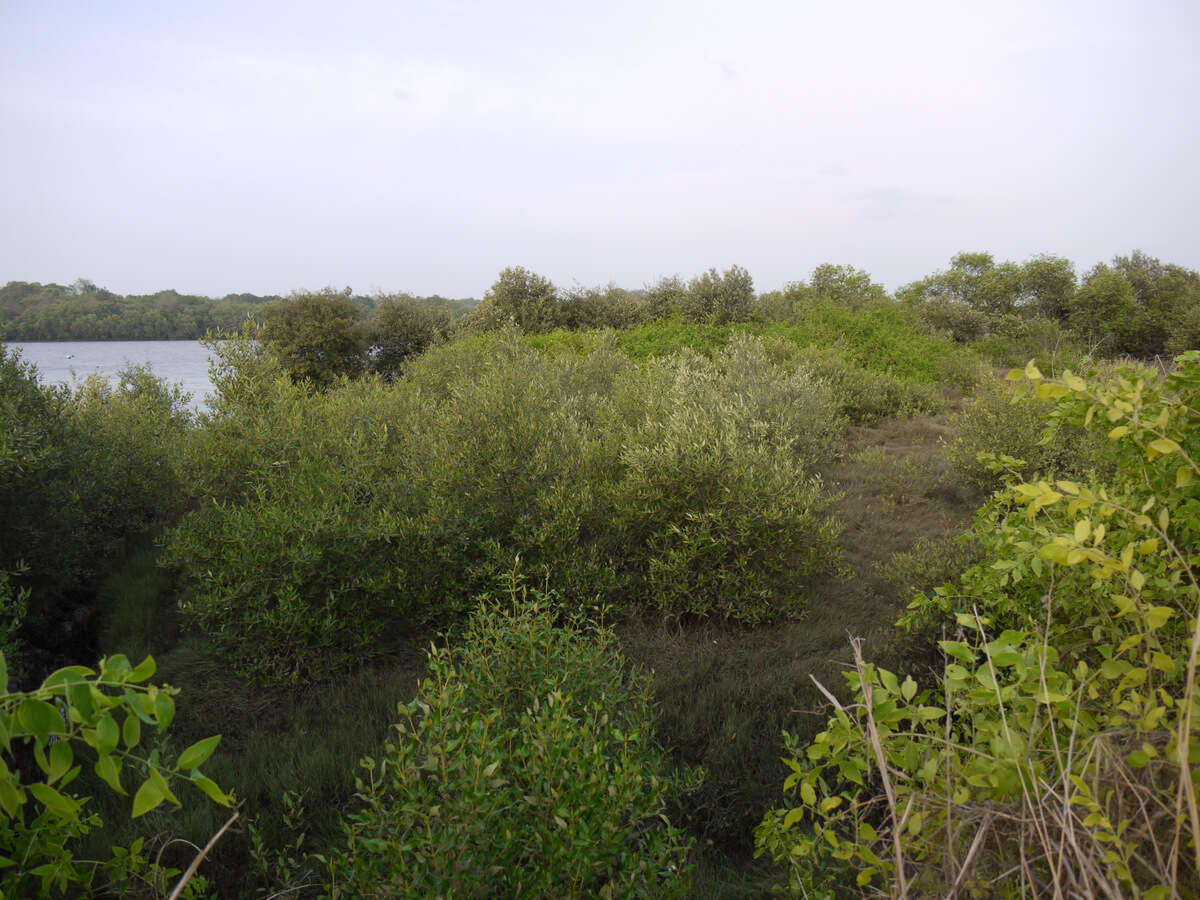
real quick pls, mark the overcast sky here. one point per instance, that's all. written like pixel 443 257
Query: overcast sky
pixel 224 147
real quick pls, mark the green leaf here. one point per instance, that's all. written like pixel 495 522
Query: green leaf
pixel 132 730
pixel 807 794
pixel 958 650
pixel 62 677
pixel 57 803
pixel 109 768
pixel 1164 446
pixel 3 674
pixel 61 759
pixel 116 667
pixel 165 789
pixel 164 710
pixel 108 735
pixel 1163 662
pixel 79 695
pixel 909 688
pixel 39 718
pixel 147 798
pixel 210 787
pixel 1158 616
pixel 11 797
pixel 197 754
pixel 145 669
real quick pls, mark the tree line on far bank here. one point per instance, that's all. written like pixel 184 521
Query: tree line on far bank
pixel 1136 305
pixel 82 311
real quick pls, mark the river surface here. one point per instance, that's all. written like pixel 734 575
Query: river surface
pixel 180 362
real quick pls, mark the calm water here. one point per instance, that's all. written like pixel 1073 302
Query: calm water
pixel 182 362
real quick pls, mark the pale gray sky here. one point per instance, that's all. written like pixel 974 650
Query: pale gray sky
pixel 423 146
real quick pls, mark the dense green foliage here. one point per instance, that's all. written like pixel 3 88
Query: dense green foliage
pixel 678 461
pixel 328 522
pixel 1000 430
pixel 41 820
pixel 525 767
pixel 1055 752
pixel 1137 305
pixel 81 472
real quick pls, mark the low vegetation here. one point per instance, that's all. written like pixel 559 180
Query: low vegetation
pixel 531 600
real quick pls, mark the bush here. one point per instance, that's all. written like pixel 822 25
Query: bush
pixel 998 421
pixel 315 337
pixel 80 473
pixel 867 397
pixel 712 516
pixel 525 767
pixel 962 323
pixel 1055 752
pixel 329 522
pixel 401 327
pixel 1014 340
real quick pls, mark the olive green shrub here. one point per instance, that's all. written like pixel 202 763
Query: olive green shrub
pixel 526 767
pixel 329 523
pixel 867 397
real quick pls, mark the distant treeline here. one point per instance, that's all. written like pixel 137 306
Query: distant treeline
pixel 85 312
pixel 1136 305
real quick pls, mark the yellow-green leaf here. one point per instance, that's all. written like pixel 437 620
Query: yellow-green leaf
pixel 132 730
pixel 1164 446
pixel 59 804
pixel 39 718
pixel 197 754
pixel 1119 432
pixel 1158 616
pixel 109 768
pixel 807 794
pixel 147 798
pixel 210 787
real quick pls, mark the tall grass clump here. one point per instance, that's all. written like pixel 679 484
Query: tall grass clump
pixel 1054 755
pixel 526 766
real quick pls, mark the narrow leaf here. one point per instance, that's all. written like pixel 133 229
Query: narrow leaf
pixel 197 754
